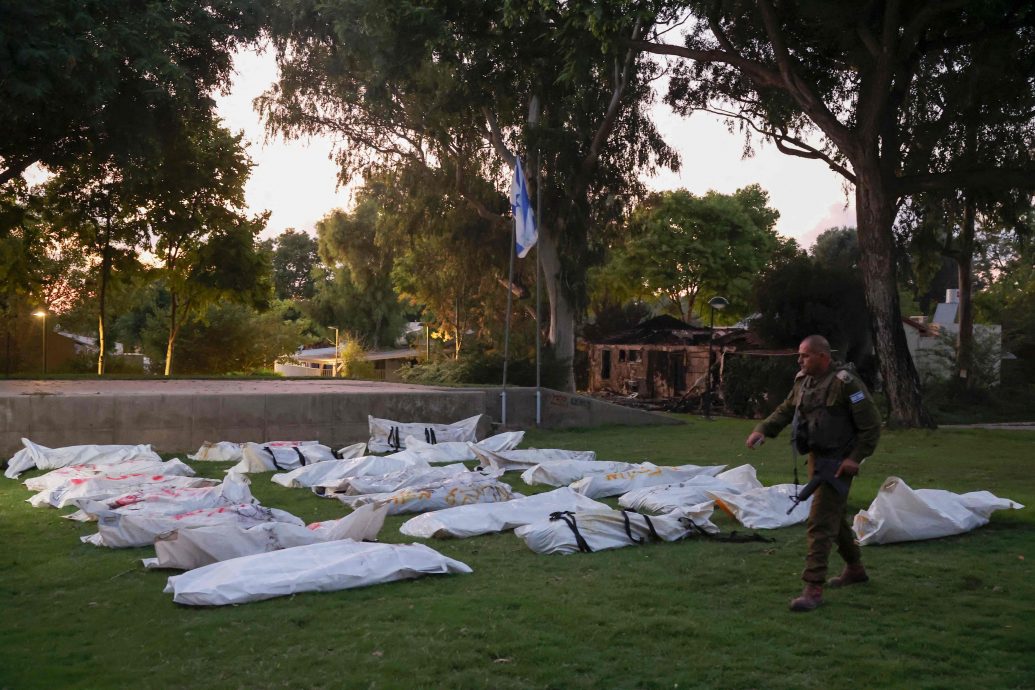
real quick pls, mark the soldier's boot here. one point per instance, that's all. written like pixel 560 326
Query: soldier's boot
pixel 810 598
pixel 853 574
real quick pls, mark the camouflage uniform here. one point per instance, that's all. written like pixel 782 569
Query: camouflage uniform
pixel 840 418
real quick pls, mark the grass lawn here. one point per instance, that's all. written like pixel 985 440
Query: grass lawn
pixel 950 613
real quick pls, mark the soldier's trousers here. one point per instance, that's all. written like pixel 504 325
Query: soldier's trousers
pixel 828 525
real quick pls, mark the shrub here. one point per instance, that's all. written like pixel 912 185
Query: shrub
pixel 754 386
pixel 486 368
pixel 352 359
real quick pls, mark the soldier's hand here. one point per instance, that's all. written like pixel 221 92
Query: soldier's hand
pixel 849 468
pixel 754 440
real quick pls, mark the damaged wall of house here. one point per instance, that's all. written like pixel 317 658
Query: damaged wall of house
pixel 650 371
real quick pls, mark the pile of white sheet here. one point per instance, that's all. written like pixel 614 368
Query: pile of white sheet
pixel 510 460
pixel 323 567
pixel 641 476
pixel 33 455
pixel 485 518
pixel 664 498
pixel 266 457
pixel 229 451
pixel 602 529
pixel 221 451
pixel 459 451
pixel 186 549
pixel 393 481
pixel 159 500
pixel 763 508
pixel 900 513
pixel 332 472
pixel 461 489
pixel 63 475
pixel 102 486
pixel 121 530
pixel 564 472
pixel 388 435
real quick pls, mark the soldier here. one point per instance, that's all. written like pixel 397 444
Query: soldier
pixel 836 414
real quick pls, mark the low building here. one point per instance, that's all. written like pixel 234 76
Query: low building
pixel 22 350
pixel 932 343
pixel 322 361
pixel 662 357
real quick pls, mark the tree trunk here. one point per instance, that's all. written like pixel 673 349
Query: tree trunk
pixel 102 293
pixel 876 214
pixel 964 260
pixel 562 312
pixel 171 342
pixel 456 328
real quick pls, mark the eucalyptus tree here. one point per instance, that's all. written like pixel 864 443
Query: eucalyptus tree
pixel 359 297
pixel 443 270
pixel 97 205
pixel 870 90
pixel 457 88
pixel 204 242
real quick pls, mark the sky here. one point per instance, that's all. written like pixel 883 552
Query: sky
pixel 297 181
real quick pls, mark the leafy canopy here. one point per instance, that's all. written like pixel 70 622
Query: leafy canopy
pixel 681 245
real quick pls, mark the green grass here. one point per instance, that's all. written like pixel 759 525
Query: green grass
pixel 956 612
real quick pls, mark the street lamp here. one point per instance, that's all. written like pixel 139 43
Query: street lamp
pixel 42 313
pixel 719 303
pixel 334 372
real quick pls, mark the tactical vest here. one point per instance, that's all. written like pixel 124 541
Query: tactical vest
pixel 826 419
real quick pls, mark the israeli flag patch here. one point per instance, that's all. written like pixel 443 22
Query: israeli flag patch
pixel 857 397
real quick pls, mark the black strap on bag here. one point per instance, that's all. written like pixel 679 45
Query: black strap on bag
pixel 628 526
pixel 393 438
pixel 733 537
pixel 273 456
pixel 568 518
pixel 429 436
pixel 301 456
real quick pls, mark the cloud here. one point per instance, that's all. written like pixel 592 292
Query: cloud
pixel 838 215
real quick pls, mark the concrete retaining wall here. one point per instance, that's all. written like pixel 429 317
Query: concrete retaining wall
pixel 178 418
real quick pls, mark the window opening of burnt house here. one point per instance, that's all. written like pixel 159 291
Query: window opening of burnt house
pixel 605 364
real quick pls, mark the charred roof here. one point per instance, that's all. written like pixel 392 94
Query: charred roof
pixel 660 330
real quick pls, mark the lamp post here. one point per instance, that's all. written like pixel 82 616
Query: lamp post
pixel 719 303
pixel 42 313
pixel 334 371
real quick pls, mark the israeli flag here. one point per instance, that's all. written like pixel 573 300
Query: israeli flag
pixel 525 233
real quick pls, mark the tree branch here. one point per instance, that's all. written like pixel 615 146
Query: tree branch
pixel 781 139
pixel 496 138
pixel 758 72
pixel 611 115
pixel 794 85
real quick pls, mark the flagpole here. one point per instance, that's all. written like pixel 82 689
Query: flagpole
pixel 506 325
pixel 538 301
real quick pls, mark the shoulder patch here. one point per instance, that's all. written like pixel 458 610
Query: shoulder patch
pixel 844 376
pixel 857 397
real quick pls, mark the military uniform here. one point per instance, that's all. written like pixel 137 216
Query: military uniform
pixel 838 417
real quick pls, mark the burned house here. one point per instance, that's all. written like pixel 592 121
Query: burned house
pixel 662 357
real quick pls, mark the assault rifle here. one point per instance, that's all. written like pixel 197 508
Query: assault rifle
pixel 825 467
